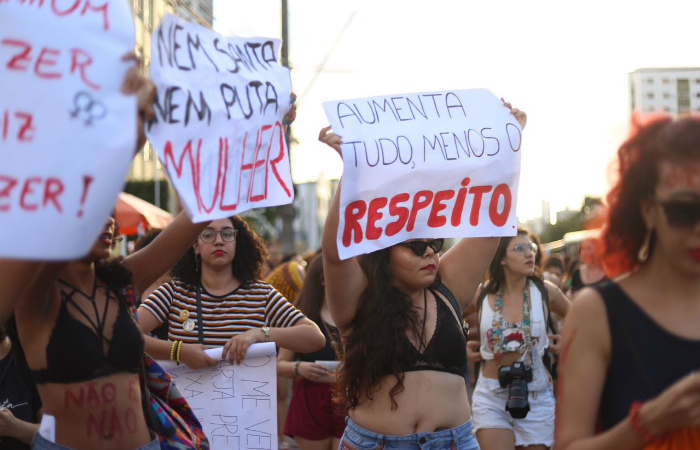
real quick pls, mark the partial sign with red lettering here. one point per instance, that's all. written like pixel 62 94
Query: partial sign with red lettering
pixel 67 133
pixel 219 128
pixel 425 165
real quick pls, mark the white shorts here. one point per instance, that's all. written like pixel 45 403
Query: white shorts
pixel 489 411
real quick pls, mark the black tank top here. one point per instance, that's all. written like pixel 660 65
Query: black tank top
pixel 75 352
pixel 327 353
pixel 645 359
pixel 447 349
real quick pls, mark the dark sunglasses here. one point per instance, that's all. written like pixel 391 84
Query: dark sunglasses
pixel 681 214
pixel 419 247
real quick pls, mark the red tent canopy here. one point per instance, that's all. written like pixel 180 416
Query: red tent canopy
pixel 135 215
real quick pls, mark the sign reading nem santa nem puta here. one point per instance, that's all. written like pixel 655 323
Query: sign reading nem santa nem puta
pixel 219 128
pixel 67 133
pixel 425 165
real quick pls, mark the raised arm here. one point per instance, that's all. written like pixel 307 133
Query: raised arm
pixel 463 267
pixel 150 263
pixel 344 279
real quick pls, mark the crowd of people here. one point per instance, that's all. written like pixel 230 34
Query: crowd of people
pixel 377 344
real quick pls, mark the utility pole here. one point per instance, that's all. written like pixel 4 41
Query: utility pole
pixel 287 212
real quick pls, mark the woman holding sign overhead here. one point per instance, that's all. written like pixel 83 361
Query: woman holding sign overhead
pixel 398 311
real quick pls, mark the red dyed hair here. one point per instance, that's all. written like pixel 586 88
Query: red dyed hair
pixel 656 139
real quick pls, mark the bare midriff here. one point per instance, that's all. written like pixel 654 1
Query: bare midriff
pixel 489 367
pixel 100 414
pixel 430 401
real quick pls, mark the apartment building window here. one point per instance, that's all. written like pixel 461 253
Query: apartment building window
pixel 650 81
pixel 665 81
pixel 683 88
pixel 697 81
pixel 650 95
pixel 667 95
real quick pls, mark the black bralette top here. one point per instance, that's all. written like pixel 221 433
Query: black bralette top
pixel 75 352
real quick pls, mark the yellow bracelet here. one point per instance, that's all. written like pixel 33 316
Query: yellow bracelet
pixel 179 347
pixel 172 351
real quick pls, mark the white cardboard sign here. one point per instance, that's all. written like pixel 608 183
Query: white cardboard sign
pixel 235 403
pixel 425 165
pixel 219 128
pixel 67 133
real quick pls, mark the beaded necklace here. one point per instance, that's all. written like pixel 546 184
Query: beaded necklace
pixel 499 325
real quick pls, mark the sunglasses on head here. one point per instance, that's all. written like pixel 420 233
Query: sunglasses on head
pixel 419 247
pixel 681 214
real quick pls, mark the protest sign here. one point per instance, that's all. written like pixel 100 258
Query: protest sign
pixel 235 403
pixel 425 165
pixel 219 128
pixel 67 133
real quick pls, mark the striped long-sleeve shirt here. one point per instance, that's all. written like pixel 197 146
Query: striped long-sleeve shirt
pixel 252 305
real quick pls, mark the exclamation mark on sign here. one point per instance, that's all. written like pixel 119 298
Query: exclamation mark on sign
pixel 86 184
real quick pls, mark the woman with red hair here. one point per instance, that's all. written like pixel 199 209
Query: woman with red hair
pixel 631 345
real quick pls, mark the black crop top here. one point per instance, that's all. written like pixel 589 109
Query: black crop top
pixel 75 352
pixel 327 353
pixel 447 349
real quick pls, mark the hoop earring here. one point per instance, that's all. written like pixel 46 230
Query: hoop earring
pixel 643 253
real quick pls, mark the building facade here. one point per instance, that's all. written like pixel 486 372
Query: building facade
pixel 674 90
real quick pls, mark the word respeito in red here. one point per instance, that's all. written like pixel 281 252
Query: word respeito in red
pixel 406 216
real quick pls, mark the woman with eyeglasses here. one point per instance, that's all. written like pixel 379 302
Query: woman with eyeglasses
pixel 513 324
pixel 216 298
pixel 629 372
pixel 403 365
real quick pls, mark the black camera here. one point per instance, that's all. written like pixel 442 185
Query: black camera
pixel 516 376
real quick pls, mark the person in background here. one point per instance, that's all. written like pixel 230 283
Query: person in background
pixel 590 271
pixel 513 326
pixel 220 274
pixel 287 278
pixel 553 270
pixel 630 366
pixel 313 419
pixel 20 405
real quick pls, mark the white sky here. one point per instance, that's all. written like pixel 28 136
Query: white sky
pixel 565 63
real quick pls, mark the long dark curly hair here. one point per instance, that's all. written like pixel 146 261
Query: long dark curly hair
pixel 662 138
pixel 247 263
pixel 375 346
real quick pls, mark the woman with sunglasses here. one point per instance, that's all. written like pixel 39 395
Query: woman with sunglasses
pixel 631 346
pixel 220 276
pixel 402 371
pixel 512 310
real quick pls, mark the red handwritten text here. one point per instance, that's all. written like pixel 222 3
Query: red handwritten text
pixel 16 125
pixel 258 162
pixel 44 61
pixel 34 192
pixel 406 216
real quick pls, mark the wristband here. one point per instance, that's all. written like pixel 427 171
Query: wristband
pixel 296 367
pixel 637 425
pixel 172 351
pixel 179 347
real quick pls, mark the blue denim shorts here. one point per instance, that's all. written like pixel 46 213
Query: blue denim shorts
pixel 357 438
pixel 40 443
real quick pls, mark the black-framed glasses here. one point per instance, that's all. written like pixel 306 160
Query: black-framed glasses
pixel 227 235
pixel 419 247
pixel 522 248
pixel 681 214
